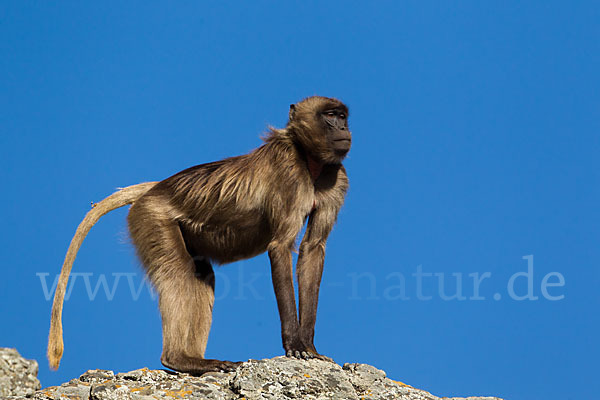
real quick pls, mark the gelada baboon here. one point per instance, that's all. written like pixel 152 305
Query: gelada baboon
pixel 230 210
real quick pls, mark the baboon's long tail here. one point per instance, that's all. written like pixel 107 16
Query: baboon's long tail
pixel 121 198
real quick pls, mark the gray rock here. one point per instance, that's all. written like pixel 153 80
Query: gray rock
pixel 276 378
pixel 289 378
pixel 141 384
pixel 18 376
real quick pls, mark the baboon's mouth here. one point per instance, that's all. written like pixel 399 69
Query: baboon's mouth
pixel 341 145
pixel 342 142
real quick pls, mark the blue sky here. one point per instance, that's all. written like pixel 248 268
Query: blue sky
pixel 476 144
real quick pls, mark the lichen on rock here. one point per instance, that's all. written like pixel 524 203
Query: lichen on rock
pixel 18 376
pixel 277 378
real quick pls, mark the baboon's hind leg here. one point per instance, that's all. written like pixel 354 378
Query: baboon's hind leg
pixel 187 323
pixel 185 287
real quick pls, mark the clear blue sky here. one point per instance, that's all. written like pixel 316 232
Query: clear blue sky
pixel 476 143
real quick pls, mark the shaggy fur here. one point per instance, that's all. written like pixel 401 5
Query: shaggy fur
pixel 230 210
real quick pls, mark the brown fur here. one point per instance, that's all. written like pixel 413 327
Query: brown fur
pixel 230 210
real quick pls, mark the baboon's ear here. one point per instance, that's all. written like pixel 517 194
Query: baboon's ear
pixel 292 111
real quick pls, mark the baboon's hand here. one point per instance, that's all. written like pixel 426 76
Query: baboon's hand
pixel 324 358
pixel 306 353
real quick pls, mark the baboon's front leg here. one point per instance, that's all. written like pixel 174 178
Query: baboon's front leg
pixel 283 284
pixel 309 271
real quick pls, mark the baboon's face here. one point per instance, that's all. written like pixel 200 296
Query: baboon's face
pixel 321 126
pixel 335 122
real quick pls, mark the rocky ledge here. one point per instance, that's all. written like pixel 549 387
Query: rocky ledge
pixel 18 376
pixel 276 378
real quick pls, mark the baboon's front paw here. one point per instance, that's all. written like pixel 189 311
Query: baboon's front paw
pixel 324 358
pixel 307 355
pixel 302 354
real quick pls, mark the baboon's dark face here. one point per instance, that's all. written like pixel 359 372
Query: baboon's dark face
pixel 320 124
pixel 336 125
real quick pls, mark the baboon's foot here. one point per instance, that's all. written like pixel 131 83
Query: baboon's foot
pixel 199 366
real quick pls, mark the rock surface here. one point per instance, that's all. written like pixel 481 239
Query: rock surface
pixel 277 378
pixel 18 376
